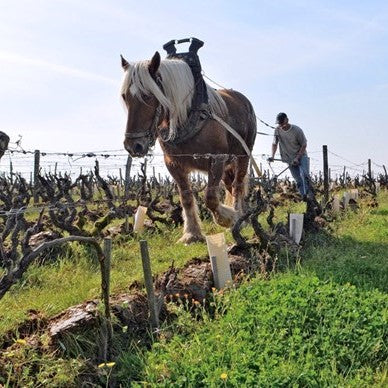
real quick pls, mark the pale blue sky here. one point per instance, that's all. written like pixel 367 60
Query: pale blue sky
pixel 324 63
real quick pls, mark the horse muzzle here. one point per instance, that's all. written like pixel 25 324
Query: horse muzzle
pixel 137 148
pixel 138 144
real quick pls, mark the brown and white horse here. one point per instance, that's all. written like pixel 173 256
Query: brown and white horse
pixel 158 96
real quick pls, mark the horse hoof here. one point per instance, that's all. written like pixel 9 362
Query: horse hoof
pixel 225 216
pixel 189 238
pixel 226 223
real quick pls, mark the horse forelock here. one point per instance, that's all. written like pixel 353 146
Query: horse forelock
pixel 176 92
pixel 138 81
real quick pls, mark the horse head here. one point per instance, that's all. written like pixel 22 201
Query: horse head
pixel 141 83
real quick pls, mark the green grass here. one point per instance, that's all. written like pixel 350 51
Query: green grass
pixel 322 324
pixel 337 297
pixel 294 330
pixel 355 252
pixel 75 277
pixel 24 367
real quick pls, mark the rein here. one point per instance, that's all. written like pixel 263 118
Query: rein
pixel 241 140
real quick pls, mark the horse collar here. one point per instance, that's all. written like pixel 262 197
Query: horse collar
pixel 195 122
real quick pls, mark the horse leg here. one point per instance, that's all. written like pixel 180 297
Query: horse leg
pixel 191 228
pixel 223 215
pixel 240 185
pixel 228 178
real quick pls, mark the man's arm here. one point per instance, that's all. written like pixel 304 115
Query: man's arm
pixel 301 151
pixel 299 155
pixel 301 138
pixel 274 148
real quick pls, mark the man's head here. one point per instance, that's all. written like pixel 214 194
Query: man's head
pixel 281 118
pixel 282 121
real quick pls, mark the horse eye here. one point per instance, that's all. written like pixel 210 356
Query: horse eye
pixel 123 96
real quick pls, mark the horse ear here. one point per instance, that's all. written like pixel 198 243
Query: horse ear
pixel 154 64
pixel 124 63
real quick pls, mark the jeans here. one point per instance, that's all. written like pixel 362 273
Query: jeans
pixel 301 174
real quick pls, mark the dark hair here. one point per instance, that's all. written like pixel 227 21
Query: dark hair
pixel 280 118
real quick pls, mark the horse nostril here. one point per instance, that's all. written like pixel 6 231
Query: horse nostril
pixel 127 147
pixel 138 148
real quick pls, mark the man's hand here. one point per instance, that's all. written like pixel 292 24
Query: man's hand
pixel 295 162
pixel 270 159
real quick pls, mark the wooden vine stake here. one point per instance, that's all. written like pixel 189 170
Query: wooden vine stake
pixel 127 176
pixel 325 175
pixel 107 332
pixel 219 260
pixel 36 175
pixel 145 258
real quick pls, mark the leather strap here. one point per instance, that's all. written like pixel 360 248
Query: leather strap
pixel 151 131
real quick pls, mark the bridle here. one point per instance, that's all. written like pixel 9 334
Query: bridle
pixel 151 132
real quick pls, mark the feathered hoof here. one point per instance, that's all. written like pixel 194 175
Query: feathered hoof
pixel 190 238
pixel 225 216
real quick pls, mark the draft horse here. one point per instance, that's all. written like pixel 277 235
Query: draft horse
pixel 158 95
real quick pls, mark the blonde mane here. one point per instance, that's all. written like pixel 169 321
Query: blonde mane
pixel 177 92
